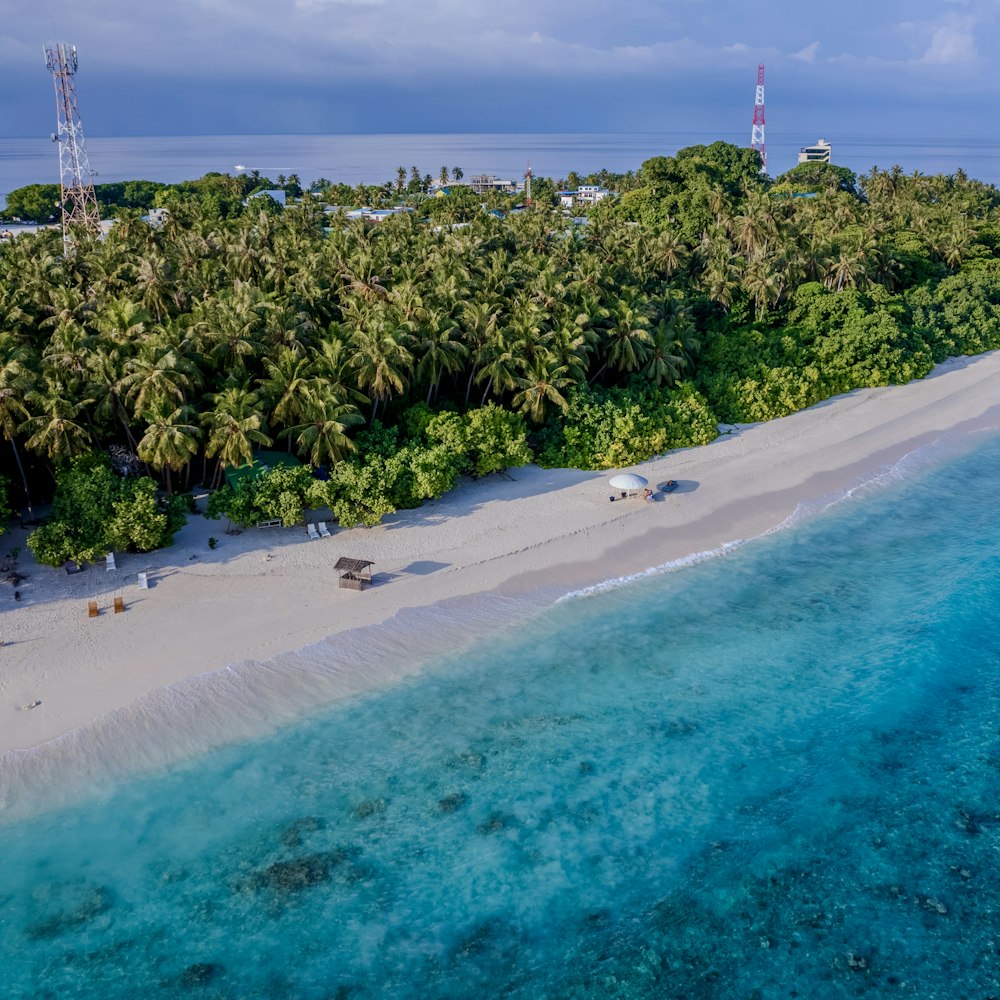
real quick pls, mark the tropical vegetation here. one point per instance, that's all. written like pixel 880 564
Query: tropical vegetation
pixel 449 340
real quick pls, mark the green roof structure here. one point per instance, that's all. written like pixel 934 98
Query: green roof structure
pixel 263 461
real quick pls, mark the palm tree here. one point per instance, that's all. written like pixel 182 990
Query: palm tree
pixel 541 385
pixel 16 382
pixel 121 321
pixel 160 374
pixel 669 252
pixel 719 279
pixel 171 440
pixel 331 366
pixel 479 320
pixel 847 270
pixel 380 359
pixel 235 425
pixel 457 173
pixel 361 277
pixel 321 435
pixel 629 338
pixel 762 283
pixel 153 281
pixel 497 364
pixel 663 366
pixel 55 430
pixel 232 323
pixel 104 379
pixel 440 349
pixel 288 387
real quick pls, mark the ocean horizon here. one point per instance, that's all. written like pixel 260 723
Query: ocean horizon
pixel 373 158
pixel 769 773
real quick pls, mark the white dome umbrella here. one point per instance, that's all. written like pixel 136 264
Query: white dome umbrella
pixel 628 481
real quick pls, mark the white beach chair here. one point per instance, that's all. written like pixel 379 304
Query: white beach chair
pixel 324 531
pixel 143 582
pixel 109 562
pixel 311 529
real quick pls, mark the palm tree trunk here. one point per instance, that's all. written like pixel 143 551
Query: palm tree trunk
pixel 24 480
pixel 489 385
pixel 128 433
pixel 598 374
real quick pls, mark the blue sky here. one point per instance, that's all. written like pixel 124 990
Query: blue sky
pixel 266 66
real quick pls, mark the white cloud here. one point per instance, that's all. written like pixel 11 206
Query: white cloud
pixel 808 54
pixel 324 41
pixel 952 45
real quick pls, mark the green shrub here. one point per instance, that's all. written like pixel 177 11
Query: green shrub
pixel 360 494
pixel 279 493
pixel 95 511
pixel 608 429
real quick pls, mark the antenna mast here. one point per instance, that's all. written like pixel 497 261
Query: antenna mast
pixel 79 202
pixel 527 186
pixel 757 134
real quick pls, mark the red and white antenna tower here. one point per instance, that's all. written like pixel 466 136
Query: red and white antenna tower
pixel 757 134
pixel 527 186
pixel 79 202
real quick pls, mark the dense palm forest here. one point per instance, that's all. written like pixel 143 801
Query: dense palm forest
pixel 449 340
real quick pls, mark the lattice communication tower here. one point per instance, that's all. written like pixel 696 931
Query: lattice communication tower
pixel 527 186
pixel 757 134
pixel 79 202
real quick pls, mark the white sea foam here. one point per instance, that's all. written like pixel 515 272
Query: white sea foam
pixel 674 564
pixel 910 466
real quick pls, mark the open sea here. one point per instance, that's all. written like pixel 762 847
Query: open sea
pixel 771 774
pixel 373 159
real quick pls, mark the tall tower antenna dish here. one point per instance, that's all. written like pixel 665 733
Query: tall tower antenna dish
pixel 78 201
pixel 757 133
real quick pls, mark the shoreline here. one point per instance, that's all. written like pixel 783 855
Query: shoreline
pixel 485 554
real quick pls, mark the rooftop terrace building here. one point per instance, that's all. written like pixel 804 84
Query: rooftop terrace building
pixel 481 183
pixel 820 153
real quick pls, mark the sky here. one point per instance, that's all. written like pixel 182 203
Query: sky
pixel 182 67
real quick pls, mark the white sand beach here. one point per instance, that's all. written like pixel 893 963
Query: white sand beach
pixel 269 590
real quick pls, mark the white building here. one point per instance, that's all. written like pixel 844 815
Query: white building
pixel 820 153
pixel 585 194
pixel 376 214
pixel 481 183
pixel 157 216
pixel 591 194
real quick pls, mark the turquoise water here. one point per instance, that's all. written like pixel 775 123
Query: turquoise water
pixel 773 774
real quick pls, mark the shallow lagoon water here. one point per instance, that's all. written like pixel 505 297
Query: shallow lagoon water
pixel 772 774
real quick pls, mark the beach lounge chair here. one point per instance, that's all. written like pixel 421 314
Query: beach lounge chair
pixel 119 605
pixel 143 582
pixel 92 611
pixel 109 561
pixel 324 531
pixel 311 529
